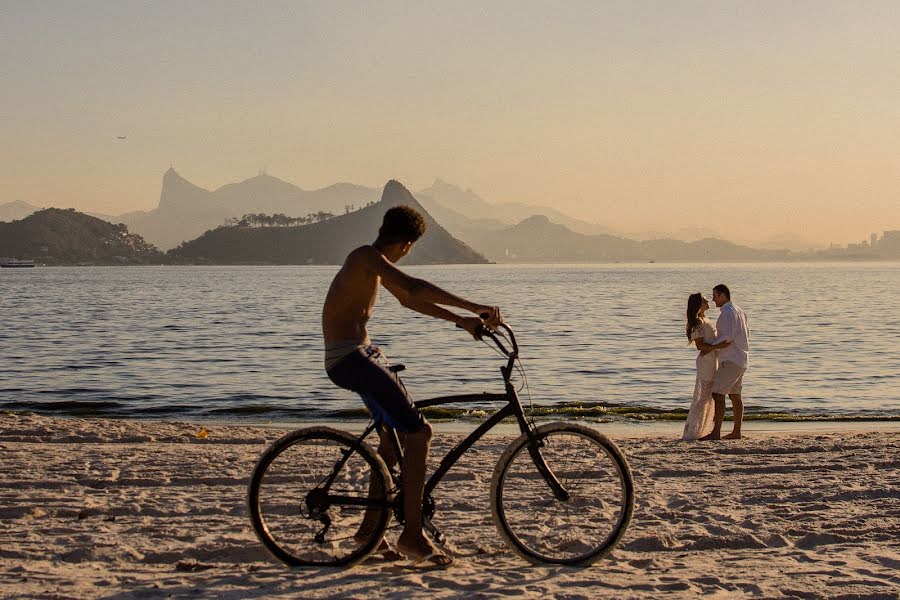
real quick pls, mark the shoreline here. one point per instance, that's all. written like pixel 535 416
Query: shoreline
pixel 100 508
pixel 625 428
pixel 639 429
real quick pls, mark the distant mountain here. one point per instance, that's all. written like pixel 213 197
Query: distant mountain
pixel 13 211
pixel 460 226
pixel 538 239
pixel 780 241
pixel 268 194
pixel 60 237
pixel 470 205
pixel 687 234
pixel 186 210
pixel 788 241
pixel 326 242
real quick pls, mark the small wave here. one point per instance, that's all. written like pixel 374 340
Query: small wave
pixel 66 407
pixel 167 410
pixel 792 417
pixel 250 409
pixel 75 391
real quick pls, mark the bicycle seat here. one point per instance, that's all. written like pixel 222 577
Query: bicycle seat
pixel 396 368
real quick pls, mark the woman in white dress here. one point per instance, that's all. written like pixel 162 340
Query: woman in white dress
pixel 701 332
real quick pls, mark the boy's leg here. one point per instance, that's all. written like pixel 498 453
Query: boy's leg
pixel 415 456
pixel 388 401
pixel 415 459
pixel 386 450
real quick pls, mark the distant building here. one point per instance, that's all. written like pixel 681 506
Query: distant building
pixel 889 246
pixel 873 240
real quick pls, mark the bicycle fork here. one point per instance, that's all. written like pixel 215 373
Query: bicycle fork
pixel 534 449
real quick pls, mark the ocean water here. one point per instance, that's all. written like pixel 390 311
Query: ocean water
pixel 598 342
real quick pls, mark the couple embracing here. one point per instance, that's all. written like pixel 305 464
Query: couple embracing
pixel 723 358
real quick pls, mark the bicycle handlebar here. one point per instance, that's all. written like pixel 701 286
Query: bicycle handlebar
pixel 482 332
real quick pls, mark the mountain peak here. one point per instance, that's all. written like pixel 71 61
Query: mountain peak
pixel 395 193
pixel 440 184
pixel 18 209
pixel 535 221
pixel 178 191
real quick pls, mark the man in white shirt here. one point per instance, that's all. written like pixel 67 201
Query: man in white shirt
pixel 733 361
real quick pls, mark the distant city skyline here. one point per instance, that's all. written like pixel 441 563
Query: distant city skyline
pixel 748 119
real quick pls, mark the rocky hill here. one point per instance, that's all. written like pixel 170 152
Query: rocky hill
pixel 326 242
pixel 64 237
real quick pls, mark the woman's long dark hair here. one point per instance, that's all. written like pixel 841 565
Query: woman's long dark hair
pixel 695 301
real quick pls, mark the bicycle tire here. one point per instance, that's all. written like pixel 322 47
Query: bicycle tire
pixel 280 489
pixel 605 492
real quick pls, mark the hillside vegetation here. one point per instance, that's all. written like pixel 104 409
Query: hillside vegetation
pixel 65 237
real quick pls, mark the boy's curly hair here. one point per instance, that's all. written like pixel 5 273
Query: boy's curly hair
pixel 402 224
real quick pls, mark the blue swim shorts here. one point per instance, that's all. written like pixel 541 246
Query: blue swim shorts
pixel 365 371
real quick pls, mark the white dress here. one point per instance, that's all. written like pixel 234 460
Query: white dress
pixel 700 416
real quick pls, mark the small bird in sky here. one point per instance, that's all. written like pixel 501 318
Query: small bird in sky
pixel 121 137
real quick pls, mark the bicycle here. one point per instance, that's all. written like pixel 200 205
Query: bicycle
pixel 561 493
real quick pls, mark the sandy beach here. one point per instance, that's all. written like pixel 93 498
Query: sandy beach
pixel 131 509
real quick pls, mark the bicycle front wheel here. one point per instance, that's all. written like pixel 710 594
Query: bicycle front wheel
pixel 596 505
pixel 319 497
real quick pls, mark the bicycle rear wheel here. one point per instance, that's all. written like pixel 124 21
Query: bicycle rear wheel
pixel 580 529
pixel 318 497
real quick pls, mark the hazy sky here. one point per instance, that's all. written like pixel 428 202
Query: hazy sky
pixel 752 118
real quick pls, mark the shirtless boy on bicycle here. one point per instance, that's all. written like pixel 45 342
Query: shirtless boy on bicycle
pixel 354 364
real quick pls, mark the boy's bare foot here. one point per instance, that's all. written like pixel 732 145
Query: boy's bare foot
pixel 420 550
pixel 385 550
pixel 437 560
pixel 710 437
pixel 732 436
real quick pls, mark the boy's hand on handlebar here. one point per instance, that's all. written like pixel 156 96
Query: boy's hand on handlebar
pixel 473 325
pixel 491 316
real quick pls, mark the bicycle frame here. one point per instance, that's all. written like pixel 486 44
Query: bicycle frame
pixel 513 408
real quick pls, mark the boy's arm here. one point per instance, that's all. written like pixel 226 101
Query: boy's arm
pixel 422 296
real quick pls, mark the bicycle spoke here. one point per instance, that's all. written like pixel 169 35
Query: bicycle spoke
pixel 575 530
pixel 291 507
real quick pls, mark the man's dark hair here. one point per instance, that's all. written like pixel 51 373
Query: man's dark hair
pixel 723 289
pixel 401 224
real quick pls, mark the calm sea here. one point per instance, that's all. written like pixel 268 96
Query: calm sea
pixel 599 342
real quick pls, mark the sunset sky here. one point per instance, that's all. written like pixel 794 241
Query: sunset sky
pixel 746 118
